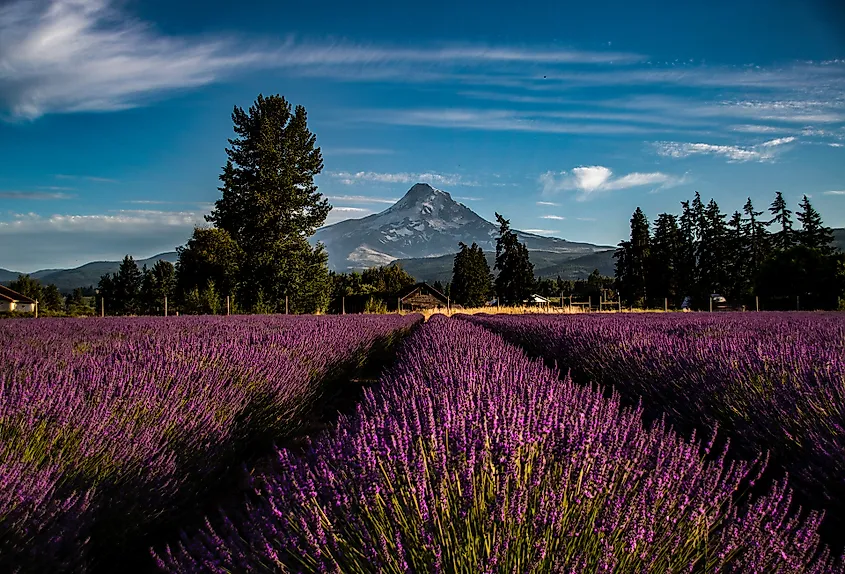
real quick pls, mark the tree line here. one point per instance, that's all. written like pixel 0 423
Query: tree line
pixel 751 255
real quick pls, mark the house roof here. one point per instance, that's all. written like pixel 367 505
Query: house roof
pixel 534 298
pixel 411 290
pixel 10 295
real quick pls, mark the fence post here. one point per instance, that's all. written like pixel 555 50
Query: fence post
pixel 102 306
pixel 757 302
pixel 561 299
pixel 165 304
pixel 399 304
pixel 590 303
pixel 711 303
pixel 286 304
pixel 228 305
pixel 36 308
pixel 620 304
pixel 343 305
pixel 448 305
pixel 666 304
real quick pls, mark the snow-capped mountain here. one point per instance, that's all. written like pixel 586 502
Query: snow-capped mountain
pixel 426 222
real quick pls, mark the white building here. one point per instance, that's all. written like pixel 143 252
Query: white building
pixel 12 301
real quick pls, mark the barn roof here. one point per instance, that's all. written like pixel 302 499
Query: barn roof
pixel 413 289
pixel 9 295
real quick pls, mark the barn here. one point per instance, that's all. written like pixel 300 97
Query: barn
pixel 12 301
pixel 422 296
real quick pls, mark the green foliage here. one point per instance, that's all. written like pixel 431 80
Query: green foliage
pixel 700 253
pixel 472 281
pixel 351 292
pixel 374 305
pixel 270 206
pixel 210 255
pixel 51 300
pixel 28 287
pixel 515 280
pixel 158 283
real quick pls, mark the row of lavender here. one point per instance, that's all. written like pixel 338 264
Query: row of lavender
pixel 469 457
pixel 773 382
pixel 108 428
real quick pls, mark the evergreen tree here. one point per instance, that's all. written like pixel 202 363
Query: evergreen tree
pixel 158 283
pixel 813 234
pixel 438 286
pixel 665 250
pixel 210 255
pixel 28 287
pixel 713 266
pixel 639 258
pixel 756 237
pixel 739 278
pixel 77 305
pixel 622 271
pixel 52 299
pixel 471 278
pixel 515 280
pixel 270 206
pixel 782 239
pixel 105 299
pixel 126 285
pixel 686 262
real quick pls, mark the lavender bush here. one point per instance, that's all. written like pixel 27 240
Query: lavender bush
pixel 470 458
pixel 110 427
pixel 774 381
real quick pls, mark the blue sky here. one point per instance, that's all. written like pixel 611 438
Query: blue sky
pixel 565 117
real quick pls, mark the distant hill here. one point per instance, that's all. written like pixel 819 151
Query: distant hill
pixel 89 274
pixel 839 238
pixel 546 264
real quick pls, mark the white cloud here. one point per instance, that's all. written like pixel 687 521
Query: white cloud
pixel 349 178
pixel 361 199
pixel 34 195
pixel 835 144
pixel 588 180
pixel 834 192
pixel 468 198
pixel 555 217
pixel 766 151
pixel 350 210
pixel 67 240
pixel 755 129
pixel 778 141
pixel 542 231
pixel 548 203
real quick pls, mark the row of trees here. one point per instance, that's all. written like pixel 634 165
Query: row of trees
pixel 701 252
pixel 50 299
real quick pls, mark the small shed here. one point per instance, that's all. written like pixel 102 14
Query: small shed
pixel 423 296
pixel 538 300
pixel 12 301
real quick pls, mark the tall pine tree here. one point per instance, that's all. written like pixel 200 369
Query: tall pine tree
pixel 813 234
pixel 713 265
pixel 270 206
pixel 756 236
pixel 663 269
pixel 471 279
pixel 515 280
pixel 783 238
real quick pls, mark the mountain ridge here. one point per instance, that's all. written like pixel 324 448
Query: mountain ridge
pixel 425 222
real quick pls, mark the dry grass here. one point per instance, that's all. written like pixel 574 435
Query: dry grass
pixel 522 310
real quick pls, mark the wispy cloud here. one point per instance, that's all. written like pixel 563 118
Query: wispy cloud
pixel 589 180
pixel 508 121
pixel 357 151
pixel 468 198
pixel 92 178
pixel 34 195
pixel 556 217
pixel 342 209
pixel 361 199
pixel 766 151
pixel 542 231
pixel 834 192
pixel 350 178
pixel 83 55
pixel 548 203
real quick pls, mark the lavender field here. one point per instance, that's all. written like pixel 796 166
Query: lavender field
pixel 680 444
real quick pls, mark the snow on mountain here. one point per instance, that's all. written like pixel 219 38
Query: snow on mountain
pixel 426 222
